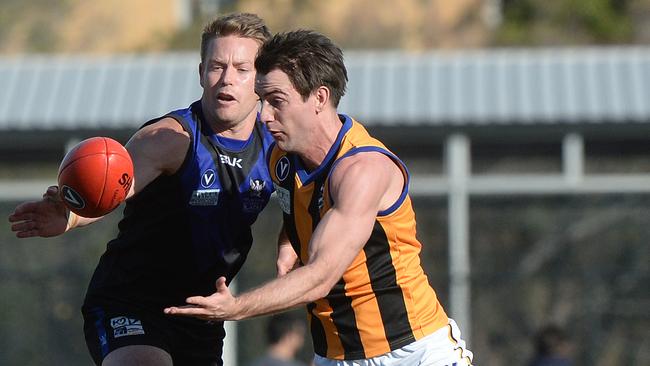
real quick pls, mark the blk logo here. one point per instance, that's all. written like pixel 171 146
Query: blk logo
pixel 225 159
pixel 282 168
pixel 208 178
pixel 73 198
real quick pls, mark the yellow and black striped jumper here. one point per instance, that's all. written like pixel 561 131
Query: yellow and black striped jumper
pixel 383 301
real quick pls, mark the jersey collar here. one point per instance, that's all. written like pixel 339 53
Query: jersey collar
pixel 308 177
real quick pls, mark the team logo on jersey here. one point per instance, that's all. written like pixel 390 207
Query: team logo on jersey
pixel 208 177
pixel 124 326
pixel 256 187
pixel 234 162
pixel 282 168
pixel 73 198
pixel 205 197
pixel 254 201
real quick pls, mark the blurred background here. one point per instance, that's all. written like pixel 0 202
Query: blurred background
pixel 525 125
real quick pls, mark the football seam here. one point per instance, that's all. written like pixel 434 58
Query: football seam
pixel 64 167
pixel 101 196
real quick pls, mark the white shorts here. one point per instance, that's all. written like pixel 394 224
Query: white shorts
pixel 443 347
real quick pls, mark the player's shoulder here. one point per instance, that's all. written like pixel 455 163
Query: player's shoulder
pixel 165 135
pixel 363 167
pixel 166 128
pixel 365 158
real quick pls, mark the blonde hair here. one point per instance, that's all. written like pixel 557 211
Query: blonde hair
pixel 244 25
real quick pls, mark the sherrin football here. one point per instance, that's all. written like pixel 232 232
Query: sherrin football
pixel 95 176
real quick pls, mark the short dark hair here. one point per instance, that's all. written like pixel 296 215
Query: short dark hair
pixel 309 59
pixel 280 325
pixel 244 25
pixel 550 339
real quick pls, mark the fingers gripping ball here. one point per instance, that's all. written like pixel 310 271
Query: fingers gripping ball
pixel 95 176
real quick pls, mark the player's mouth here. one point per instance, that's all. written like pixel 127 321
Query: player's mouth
pixel 225 98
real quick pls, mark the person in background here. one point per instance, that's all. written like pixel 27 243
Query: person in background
pixel 285 335
pixel 552 347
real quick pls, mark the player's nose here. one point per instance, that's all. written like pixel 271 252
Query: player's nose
pixel 266 114
pixel 228 75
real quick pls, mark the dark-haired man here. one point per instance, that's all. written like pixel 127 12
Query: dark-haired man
pixel 348 216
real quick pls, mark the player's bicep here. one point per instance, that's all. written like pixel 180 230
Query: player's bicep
pixel 347 226
pixel 156 149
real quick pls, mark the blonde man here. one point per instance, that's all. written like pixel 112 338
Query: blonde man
pixel 200 181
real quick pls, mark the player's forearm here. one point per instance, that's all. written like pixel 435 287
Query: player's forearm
pixel 333 247
pixel 300 286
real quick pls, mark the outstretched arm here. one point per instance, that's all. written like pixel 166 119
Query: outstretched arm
pixel 155 149
pixel 336 242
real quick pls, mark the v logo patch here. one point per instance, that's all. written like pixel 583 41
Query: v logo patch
pixel 208 178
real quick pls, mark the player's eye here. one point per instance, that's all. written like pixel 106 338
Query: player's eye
pixel 276 102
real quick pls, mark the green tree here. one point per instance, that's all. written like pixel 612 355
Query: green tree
pixel 565 22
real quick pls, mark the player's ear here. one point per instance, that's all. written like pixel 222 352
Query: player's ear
pixel 322 97
pixel 201 74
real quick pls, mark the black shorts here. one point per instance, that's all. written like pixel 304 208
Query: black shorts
pixel 109 325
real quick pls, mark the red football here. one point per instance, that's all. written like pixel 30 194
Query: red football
pixel 95 176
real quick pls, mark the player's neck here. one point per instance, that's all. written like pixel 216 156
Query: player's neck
pixel 321 141
pixel 234 130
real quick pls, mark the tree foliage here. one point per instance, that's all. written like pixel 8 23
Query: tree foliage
pixel 566 22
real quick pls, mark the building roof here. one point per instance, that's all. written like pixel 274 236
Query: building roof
pixel 454 88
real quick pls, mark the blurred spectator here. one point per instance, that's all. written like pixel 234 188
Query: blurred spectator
pixel 552 347
pixel 285 335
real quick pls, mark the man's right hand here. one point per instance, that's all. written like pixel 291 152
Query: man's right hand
pixel 47 217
